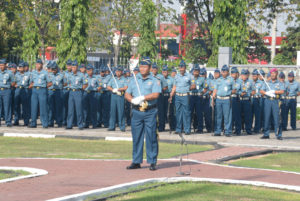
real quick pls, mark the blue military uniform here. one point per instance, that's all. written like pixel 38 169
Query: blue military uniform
pixel 6 81
pixel 236 103
pixel 22 97
pixel 99 97
pixel 171 108
pixel 127 103
pixel 55 97
pixel 196 101
pixel 144 122
pixel 224 87
pixel 40 79
pixel 246 110
pixel 262 117
pixel 212 84
pixel 90 111
pixel 106 97
pixel 271 107
pixel 182 102
pixel 293 89
pixel 283 114
pixel 65 93
pixel 117 103
pixel 257 103
pixel 76 82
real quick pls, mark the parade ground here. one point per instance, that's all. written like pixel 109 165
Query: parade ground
pixel 89 175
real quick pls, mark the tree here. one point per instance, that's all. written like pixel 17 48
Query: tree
pixel 147 42
pixel 44 14
pixel 73 41
pixel 230 29
pixel 256 47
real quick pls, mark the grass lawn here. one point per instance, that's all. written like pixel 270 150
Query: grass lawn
pixel 5 174
pixel 81 149
pixel 288 161
pixel 209 191
pixel 298 113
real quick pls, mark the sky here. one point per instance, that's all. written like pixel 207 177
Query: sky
pixel 281 21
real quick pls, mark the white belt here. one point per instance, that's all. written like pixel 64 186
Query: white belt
pixel 244 98
pixel 223 97
pixel 291 97
pixel 182 94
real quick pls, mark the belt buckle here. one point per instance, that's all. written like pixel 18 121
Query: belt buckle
pixel 37 87
pixel 2 89
pixel 73 89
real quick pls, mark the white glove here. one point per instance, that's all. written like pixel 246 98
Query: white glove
pixel 271 93
pixel 138 100
pixel 119 93
pixel 115 90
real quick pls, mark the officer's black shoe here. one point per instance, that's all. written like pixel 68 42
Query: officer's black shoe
pixel 16 124
pixel 59 126
pixel 228 135
pixel 279 138
pixel 177 132
pixel 284 129
pixel 294 129
pixel 86 126
pixel 45 127
pixel 25 124
pixel 249 133
pixel 152 167
pixel 80 128
pixel 111 129
pixel 94 127
pixel 105 126
pixel 68 128
pixel 133 166
pixel 199 132
pixel 122 130
pixel 8 125
pixel 217 134
pixel 31 126
pixel 51 125
pixel 187 133
pixel 265 137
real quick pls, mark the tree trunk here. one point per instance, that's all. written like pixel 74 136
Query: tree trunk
pixel 117 49
pixel 273 45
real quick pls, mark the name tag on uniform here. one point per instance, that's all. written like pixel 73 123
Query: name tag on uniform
pixel 104 85
pixel 197 87
pixel 225 88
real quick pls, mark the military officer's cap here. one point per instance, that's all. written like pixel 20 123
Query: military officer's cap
pixel 82 66
pixel 26 64
pixel 145 61
pixel 182 63
pixel 202 71
pixel 165 68
pixel 196 67
pixel 102 69
pixel 13 65
pixel 234 70
pixel 174 70
pixel 119 68
pixel 21 64
pixel 136 69
pixel 210 76
pixel 291 74
pixel 262 72
pixel 225 68
pixel 39 61
pixel 49 64
pixel 69 62
pixel 245 72
pixel 89 67
pixel 281 75
pixel 74 63
pixel 2 61
pixel 154 65
pixel 269 74
pixel 54 65
pixel 217 71
pixel 255 72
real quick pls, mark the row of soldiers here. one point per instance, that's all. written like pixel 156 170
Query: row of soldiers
pixel 81 96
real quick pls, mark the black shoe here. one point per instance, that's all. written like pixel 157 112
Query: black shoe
pixel 152 167
pixel 45 127
pixel 228 135
pixel 16 124
pixel 31 126
pixel 68 128
pixel 294 129
pixel 177 132
pixel 80 128
pixel 187 133
pixel 111 129
pixel 249 133
pixel 8 125
pixel 133 166
pixel 217 134
pixel 59 126
pixel 279 138
pixel 51 125
pixel 25 124
pixel 94 127
pixel 105 126
pixel 265 137
pixel 123 131
pixel 284 129
pixel 86 126
pixel 199 132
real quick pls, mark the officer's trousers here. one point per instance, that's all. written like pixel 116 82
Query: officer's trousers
pixel 5 105
pixel 246 110
pixel 21 98
pixel 207 113
pixel 291 106
pixel 90 111
pixel 144 123
pixel 223 110
pixel 195 106
pixel 39 97
pixel 284 116
pixel 99 108
pixel 161 113
pixel 183 114
pixel 105 101
pixel 117 110
pixel 271 107
pixel 128 112
pixel 172 118
pixel 236 115
pixel 65 100
pixel 257 110
pixel 55 109
pixel 75 105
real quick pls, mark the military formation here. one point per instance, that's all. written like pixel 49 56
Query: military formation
pixel 226 102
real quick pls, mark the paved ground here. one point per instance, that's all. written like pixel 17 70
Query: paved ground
pixel 291 138
pixel 68 177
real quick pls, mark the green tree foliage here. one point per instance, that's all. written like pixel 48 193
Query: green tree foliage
pixel 147 43
pixel 230 29
pixel 31 42
pixel 256 47
pixel 73 41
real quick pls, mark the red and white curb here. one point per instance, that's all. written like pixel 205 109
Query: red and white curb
pixel 34 173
